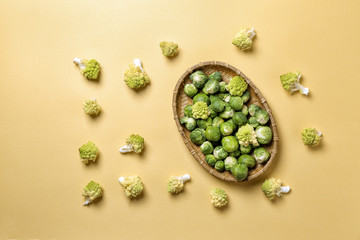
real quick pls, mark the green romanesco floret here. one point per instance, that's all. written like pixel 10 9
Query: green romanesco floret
pixel 135 77
pixel 272 187
pixel 133 186
pixel 134 143
pixel 237 86
pixel 290 82
pixel 246 136
pixel 176 184
pixel 200 110
pixel 91 192
pixel 89 68
pixel 91 107
pixel 88 152
pixel 218 197
pixel 243 39
pixel 169 49
pixel 311 136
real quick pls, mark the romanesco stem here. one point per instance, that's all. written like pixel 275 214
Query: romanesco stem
pixel 137 62
pixel 303 90
pixel 79 62
pixel 283 190
pixel 87 202
pixel 185 177
pixel 126 149
pixel 121 179
pixel 252 33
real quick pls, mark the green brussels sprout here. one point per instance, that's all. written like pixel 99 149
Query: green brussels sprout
pixel 222 87
pixel 212 133
pixel 239 118
pixel 227 113
pixel 217 121
pixel 253 108
pixel 264 134
pixel 220 153
pixel 199 79
pixel 232 123
pixel 245 150
pixel 240 171
pixel 215 76
pixel 230 144
pixel 220 166
pixel 205 91
pixel 262 116
pixel 190 90
pixel 210 159
pixel 188 111
pixel 190 123
pixel 207 147
pixel 213 98
pixel 236 103
pixel 212 112
pixel 224 96
pixel 253 122
pixel 246 96
pixel 212 87
pixel 201 97
pixel 201 123
pixel 218 106
pixel 226 128
pixel 248 160
pixel 245 110
pixel 261 155
pixel 235 153
pixel 230 162
pixel 197 136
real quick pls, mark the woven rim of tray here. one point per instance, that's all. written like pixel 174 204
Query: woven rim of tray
pixel 197 153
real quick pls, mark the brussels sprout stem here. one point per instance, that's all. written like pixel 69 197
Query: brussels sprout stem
pixel 79 63
pixel 283 190
pixel 126 148
pixel 137 62
pixel 184 178
pixel 252 33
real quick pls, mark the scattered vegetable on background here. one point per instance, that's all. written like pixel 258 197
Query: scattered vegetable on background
pixel 272 187
pixel 176 184
pixel 90 69
pixel 92 107
pixel 311 136
pixel 134 143
pixel 218 197
pixel 133 186
pixel 88 152
pixel 169 49
pixel 290 82
pixel 243 39
pixel 91 192
pixel 135 77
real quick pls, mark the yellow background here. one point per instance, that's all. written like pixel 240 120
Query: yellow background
pixel 42 123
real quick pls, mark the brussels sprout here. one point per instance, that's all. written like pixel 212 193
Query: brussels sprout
pixel 214 98
pixel 217 121
pixel 230 144
pixel 220 153
pixel 222 87
pixel 227 113
pixel 207 147
pixel 212 133
pixel 190 123
pixel 201 97
pixel 226 128
pixel 248 160
pixel 215 76
pixel 210 159
pixel 217 106
pixel 236 103
pixel 199 79
pixel 224 96
pixel 220 166
pixel 246 96
pixel 245 110
pixel 229 162
pixel 190 90
pixel 188 111
pixel 201 123
pixel 212 112
pixel 262 116
pixel 197 136
pixel 245 150
pixel 253 108
pixel 204 90
pixel 212 86
pixel 240 171
pixel 235 153
pixel 232 123
pixel 239 118
pixel 253 122
pixel 264 134
pixel 261 155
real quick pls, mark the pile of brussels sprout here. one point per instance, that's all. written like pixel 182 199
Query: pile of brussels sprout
pixel 229 132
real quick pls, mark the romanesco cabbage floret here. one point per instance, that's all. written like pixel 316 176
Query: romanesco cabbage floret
pixel 176 184
pixel 272 187
pixel 311 136
pixel 246 136
pixel 218 197
pixel 89 68
pixel 290 82
pixel 88 152
pixel 200 110
pixel 92 107
pixel 134 143
pixel 91 192
pixel 237 86
pixel 243 39
pixel 135 77
pixel 169 49
pixel 133 186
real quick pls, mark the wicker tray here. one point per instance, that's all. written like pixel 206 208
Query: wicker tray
pixel 180 100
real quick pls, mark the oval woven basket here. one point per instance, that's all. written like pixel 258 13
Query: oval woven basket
pixel 180 100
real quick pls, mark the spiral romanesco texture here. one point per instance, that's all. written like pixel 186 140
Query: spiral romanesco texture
pixel 246 136
pixel 271 187
pixel 92 191
pixel 218 197
pixel 136 142
pixel 91 107
pixel 175 185
pixel 169 49
pixel 133 186
pixel 135 78
pixel 243 39
pixel 288 80
pixel 200 110
pixel 88 152
pixel 91 70
pixel 237 86
pixel 311 136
